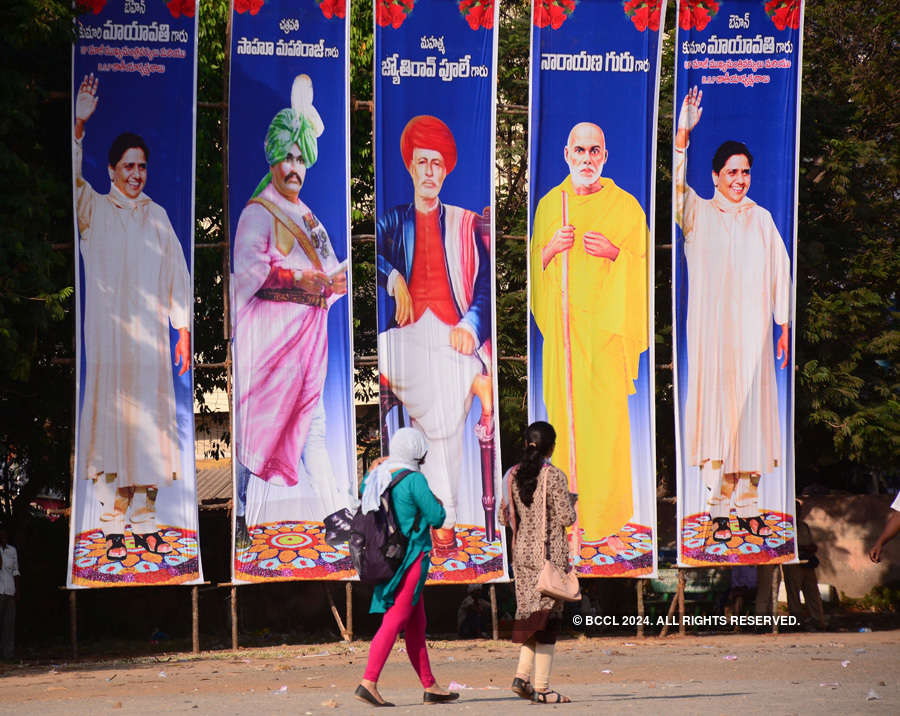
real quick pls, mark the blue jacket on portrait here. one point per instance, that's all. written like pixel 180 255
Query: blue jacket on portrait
pixel 395 246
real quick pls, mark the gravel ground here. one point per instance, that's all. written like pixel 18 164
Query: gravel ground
pixel 819 673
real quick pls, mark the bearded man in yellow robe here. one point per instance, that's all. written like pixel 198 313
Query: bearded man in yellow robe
pixel 604 241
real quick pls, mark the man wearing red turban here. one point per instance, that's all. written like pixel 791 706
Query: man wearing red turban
pixel 434 333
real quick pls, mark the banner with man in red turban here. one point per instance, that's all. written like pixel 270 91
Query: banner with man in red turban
pixel 434 92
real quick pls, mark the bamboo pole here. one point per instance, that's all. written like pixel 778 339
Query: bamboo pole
pixel 639 586
pixel 681 582
pixel 495 622
pixel 195 619
pixel 234 619
pixel 669 613
pixel 348 590
pixel 335 612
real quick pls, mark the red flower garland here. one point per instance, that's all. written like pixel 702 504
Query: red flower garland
pixel 552 12
pixel 784 13
pixel 392 12
pixel 696 13
pixel 251 6
pixel 182 7
pixel 644 13
pixel 478 13
pixel 95 6
pixel 333 8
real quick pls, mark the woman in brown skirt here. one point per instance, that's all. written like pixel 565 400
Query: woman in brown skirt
pixel 537 617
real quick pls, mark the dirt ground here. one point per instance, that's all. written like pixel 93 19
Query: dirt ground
pixel 717 673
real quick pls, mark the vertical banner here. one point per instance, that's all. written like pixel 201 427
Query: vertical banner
pixel 594 80
pixel 134 496
pixel 435 86
pixel 289 192
pixel 737 84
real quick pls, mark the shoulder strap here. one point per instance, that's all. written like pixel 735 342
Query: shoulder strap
pixel 295 230
pixel 398 477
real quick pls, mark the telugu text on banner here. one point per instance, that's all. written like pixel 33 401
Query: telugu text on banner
pixel 294 429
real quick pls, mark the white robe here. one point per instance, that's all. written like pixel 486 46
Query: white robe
pixel 739 279
pixel 136 284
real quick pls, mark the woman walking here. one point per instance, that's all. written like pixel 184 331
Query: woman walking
pixel 539 509
pixel 400 598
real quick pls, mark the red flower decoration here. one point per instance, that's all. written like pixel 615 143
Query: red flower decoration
pixel 95 6
pixel 644 13
pixel 478 13
pixel 251 6
pixel 183 7
pixel 784 13
pixel 696 13
pixel 552 12
pixel 392 12
pixel 333 8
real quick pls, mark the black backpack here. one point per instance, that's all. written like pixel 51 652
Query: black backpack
pixel 377 546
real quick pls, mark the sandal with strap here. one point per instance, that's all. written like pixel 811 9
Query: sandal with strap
pixel 722 525
pixel 549 697
pixel 116 542
pixel 160 546
pixel 522 688
pixel 762 529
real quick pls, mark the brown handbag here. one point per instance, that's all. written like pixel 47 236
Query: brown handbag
pixel 552 581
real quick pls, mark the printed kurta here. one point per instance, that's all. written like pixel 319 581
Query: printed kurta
pixel 136 284
pixel 739 280
pixel 281 347
pixel 529 550
pixel 608 332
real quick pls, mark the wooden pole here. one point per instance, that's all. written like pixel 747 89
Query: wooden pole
pixel 776 582
pixel 640 606
pixel 681 581
pixel 195 619
pixel 335 612
pixel 73 622
pixel 669 613
pixel 348 590
pixel 495 622
pixel 234 619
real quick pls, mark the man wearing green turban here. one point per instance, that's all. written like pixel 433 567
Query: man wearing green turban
pixel 285 278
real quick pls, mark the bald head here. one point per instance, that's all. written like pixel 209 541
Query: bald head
pixel 585 153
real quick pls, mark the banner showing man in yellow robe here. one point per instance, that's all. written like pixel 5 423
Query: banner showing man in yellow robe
pixel 589 265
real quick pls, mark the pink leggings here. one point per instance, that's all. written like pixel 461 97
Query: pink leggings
pixel 405 616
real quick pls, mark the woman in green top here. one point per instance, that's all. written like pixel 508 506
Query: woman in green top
pixel 400 598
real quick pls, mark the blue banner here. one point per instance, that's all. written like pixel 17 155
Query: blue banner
pixel 594 79
pixel 737 88
pixel 294 450
pixel 435 85
pixel 134 498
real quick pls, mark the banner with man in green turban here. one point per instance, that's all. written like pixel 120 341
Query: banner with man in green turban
pixel 294 437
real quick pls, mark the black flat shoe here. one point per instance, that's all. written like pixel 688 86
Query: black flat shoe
pixel 430 698
pixel 522 688
pixel 363 694
pixel 722 524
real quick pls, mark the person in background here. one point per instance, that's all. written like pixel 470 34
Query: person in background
pixel 891 528
pixel 802 577
pixel 537 490
pixel 400 598
pixel 9 595
pixel 473 614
